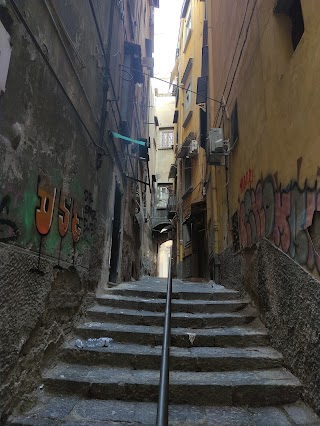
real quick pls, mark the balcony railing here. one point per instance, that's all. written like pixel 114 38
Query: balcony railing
pixel 172 206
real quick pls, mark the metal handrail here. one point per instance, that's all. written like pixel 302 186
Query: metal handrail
pixel 163 400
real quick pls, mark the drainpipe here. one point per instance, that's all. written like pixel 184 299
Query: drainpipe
pixel 211 120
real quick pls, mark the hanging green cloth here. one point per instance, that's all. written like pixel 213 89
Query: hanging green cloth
pixel 117 135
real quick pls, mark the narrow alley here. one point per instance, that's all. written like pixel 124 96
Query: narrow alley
pixel 150 143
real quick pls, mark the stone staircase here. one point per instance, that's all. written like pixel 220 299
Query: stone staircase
pixel 222 371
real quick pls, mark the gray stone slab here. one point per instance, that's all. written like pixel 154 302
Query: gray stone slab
pixel 54 408
pixel 192 352
pixel 186 359
pixel 93 423
pixel 229 416
pixel 95 412
pixel 238 387
pixel 301 414
pixel 116 411
pixel 181 290
pixel 187 415
pixel 152 335
pixel 177 305
pixel 194 320
pixel 266 416
pixel 33 421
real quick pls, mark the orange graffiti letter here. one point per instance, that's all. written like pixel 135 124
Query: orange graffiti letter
pixel 76 230
pixel 64 215
pixel 44 213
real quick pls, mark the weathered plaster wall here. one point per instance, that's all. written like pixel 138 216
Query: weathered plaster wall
pixel 56 190
pixel 37 313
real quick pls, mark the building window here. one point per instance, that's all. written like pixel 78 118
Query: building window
pixel 292 8
pixel 188 97
pixel 234 125
pixel 163 193
pixel 297 23
pixel 166 139
pixel 187 28
pixel 187 233
pixel 187 174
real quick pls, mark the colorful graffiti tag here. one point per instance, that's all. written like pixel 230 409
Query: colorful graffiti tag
pixel 45 212
pixel 286 216
pixel 246 180
pixel 67 209
pixel 77 217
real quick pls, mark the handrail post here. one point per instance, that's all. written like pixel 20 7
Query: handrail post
pixel 163 400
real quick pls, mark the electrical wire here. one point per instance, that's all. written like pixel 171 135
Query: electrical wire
pixel 35 41
pixel 234 54
pixel 258 41
pixel 104 54
pixel 168 82
pixel 240 56
pixel 112 86
pixel 69 57
pixel 242 48
pixel 76 51
pixel 108 70
pixel 235 50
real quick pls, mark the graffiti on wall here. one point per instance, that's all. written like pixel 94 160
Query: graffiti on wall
pixel 52 219
pixel 246 180
pixel 8 229
pixel 289 217
pixel 58 209
pixel 68 212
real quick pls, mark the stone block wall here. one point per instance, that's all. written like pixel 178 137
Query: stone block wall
pixel 288 300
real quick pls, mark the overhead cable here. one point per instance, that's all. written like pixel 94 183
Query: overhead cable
pixel 168 82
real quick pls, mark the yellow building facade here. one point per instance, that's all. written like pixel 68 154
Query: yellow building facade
pixel 268 188
pixel 190 155
pixel 263 201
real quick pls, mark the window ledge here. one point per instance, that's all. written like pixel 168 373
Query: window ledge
pixel 187 41
pixel 187 193
pixel 188 118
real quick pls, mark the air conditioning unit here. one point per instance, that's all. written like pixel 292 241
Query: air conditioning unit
pixel 216 140
pixel 215 147
pixel 193 148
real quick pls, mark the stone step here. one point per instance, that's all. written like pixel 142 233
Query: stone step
pixel 158 305
pixel 255 387
pixel 131 316
pixel 183 294
pixel 192 359
pixel 244 336
pixel 71 411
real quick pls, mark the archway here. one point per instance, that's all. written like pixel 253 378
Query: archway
pixel 163 258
